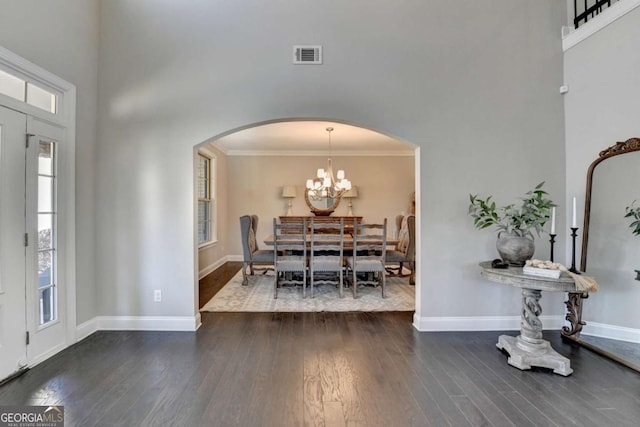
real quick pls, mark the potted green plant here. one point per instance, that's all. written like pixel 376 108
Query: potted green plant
pixel 515 224
pixel 634 212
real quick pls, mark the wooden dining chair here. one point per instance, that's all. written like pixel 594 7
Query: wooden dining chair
pixel 290 255
pixel 368 259
pixel 326 254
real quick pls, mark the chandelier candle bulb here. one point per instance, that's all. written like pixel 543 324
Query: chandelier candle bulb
pixel 326 185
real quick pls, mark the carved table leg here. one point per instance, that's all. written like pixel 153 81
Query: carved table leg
pixel 529 349
pixel 574 316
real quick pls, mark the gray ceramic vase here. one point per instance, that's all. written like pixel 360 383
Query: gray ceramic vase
pixel 515 249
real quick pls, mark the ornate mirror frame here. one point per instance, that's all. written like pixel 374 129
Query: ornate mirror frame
pixel 321 212
pixel 574 304
pixel 629 146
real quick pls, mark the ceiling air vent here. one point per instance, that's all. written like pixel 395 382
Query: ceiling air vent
pixel 307 54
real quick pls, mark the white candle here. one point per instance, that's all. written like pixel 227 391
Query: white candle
pixel 574 214
pixel 553 220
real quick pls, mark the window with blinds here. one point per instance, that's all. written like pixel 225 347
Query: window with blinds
pixel 205 199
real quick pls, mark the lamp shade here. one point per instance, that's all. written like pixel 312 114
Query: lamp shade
pixel 352 193
pixel 289 191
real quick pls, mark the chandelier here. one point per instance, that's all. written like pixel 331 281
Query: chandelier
pixel 325 185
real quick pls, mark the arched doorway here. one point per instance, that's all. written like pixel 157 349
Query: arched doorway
pixel 251 164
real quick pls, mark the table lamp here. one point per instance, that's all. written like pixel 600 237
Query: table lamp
pixel 289 192
pixel 351 194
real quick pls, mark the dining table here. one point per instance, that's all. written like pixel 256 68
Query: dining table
pixel 348 241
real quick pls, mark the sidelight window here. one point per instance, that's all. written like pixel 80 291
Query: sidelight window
pixel 47 230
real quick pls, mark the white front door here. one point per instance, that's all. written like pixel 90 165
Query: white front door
pixel 32 287
pixel 13 348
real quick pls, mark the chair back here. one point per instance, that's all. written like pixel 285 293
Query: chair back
pixel 326 254
pixel 290 254
pixel 370 242
pixel 289 241
pixel 326 238
pixel 407 237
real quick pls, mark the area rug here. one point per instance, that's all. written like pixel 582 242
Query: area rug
pixel 258 297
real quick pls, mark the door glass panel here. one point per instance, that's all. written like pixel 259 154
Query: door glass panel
pixel 47 286
pixel 25 91
pixel 45 194
pixel 47 305
pixel 11 86
pixel 41 98
pixel 45 231
pixel 45 158
pixel 45 268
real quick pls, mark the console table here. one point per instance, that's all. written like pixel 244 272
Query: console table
pixel 348 221
pixel 529 349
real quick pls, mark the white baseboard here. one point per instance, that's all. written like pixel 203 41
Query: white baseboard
pixel 480 323
pixel 235 258
pixel 208 269
pixel 198 321
pixel 138 323
pixel 44 356
pixel 87 328
pixel 611 331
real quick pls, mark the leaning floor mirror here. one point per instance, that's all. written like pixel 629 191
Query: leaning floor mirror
pixel 611 254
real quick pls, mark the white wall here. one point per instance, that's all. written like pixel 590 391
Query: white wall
pixel 601 105
pixel 61 36
pixel 474 84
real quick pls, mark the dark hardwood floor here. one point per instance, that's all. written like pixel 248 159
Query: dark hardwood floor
pixel 331 369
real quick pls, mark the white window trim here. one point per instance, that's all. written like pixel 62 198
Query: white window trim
pixel 213 209
pixel 65 117
pixel 206 245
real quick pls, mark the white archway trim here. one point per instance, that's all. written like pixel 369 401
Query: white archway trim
pixel 412 149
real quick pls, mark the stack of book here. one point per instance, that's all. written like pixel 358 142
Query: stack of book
pixel 541 272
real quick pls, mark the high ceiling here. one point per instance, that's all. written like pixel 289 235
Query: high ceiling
pixel 310 138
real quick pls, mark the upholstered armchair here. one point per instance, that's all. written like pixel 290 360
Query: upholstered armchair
pixel 252 255
pixel 405 251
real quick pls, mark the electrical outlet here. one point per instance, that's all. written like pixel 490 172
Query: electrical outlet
pixel 157 295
